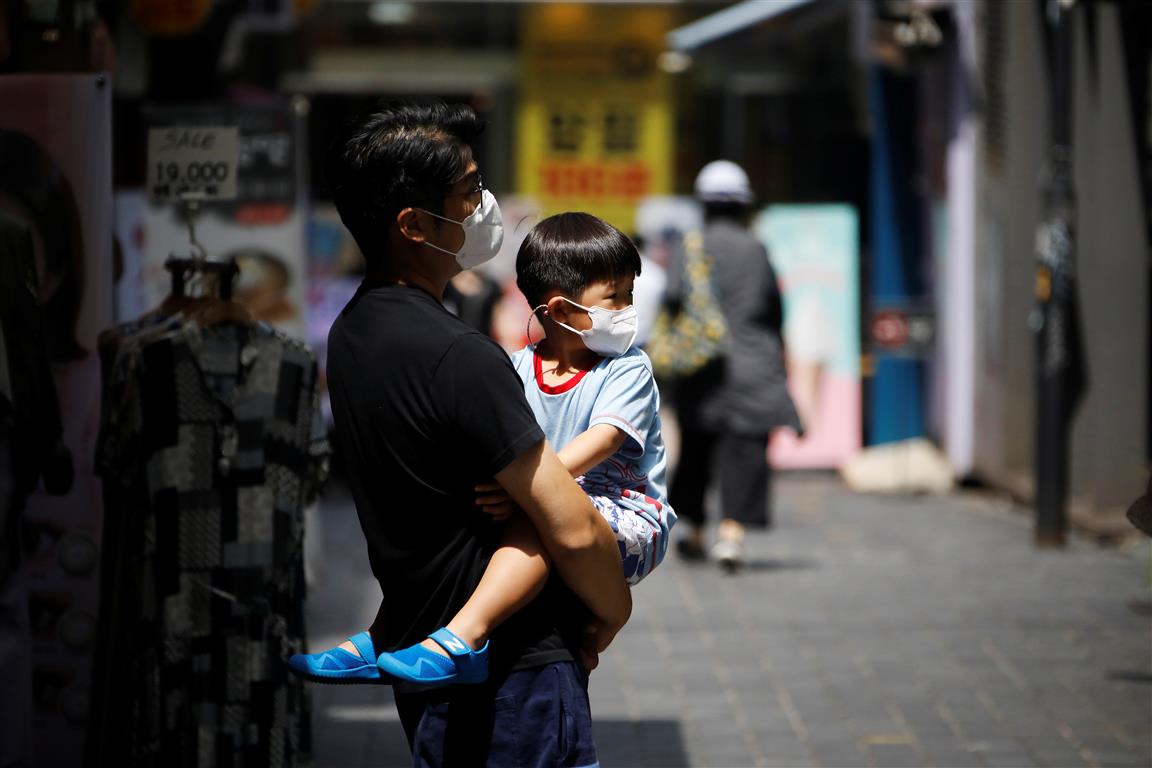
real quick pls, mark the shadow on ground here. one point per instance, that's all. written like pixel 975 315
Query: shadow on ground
pixel 640 743
pixel 348 741
pixel 342 743
pixel 766 564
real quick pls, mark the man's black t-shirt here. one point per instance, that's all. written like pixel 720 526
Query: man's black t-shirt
pixel 425 408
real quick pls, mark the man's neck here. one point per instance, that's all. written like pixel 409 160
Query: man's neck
pixel 411 270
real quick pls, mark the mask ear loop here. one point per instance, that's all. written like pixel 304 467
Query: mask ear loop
pixel 528 327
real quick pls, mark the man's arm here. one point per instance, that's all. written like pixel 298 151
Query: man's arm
pixel 581 544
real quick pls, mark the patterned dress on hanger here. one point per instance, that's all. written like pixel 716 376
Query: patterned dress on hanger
pixel 211 446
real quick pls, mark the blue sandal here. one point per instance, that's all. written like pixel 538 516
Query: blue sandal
pixel 338 666
pixel 417 664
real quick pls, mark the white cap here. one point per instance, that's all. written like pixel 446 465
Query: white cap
pixel 722 181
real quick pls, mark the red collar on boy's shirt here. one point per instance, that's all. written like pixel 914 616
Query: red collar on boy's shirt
pixel 550 389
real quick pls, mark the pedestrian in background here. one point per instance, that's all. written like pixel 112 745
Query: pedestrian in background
pixel 727 410
pixel 474 297
pixel 648 291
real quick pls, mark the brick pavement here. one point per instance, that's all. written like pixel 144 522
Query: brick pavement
pixel 866 631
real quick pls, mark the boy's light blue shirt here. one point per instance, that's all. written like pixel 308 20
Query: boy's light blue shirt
pixel 620 391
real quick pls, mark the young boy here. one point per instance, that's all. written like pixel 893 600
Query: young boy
pixel 592 394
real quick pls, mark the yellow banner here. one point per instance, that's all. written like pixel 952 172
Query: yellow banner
pixel 595 116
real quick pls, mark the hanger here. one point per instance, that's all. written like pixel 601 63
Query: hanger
pixel 220 308
pixel 201 286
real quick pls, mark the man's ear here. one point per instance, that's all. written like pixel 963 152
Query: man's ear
pixel 411 225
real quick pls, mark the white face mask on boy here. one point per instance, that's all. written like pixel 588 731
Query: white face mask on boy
pixel 483 233
pixel 612 331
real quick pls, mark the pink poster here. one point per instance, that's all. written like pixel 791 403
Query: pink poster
pixel 815 252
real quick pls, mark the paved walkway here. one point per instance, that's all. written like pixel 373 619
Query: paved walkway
pixel 866 631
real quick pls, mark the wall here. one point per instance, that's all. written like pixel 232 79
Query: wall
pixel 1012 138
pixel 1109 432
pixel 1108 465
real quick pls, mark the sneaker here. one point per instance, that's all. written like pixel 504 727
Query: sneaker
pixel 338 666
pixel 417 664
pixel 729 553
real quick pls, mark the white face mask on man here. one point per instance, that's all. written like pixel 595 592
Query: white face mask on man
pixel 483 233
pixel 612 331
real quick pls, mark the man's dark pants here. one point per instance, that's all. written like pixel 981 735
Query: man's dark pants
pixel 535 718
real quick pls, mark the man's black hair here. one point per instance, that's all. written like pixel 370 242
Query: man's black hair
pixel 396 155
pixel 570 251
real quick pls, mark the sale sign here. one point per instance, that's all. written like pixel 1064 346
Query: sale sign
pixel 595 120
pixel 192 163
pixel 239 163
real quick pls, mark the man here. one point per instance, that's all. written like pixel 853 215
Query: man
pixel 426 409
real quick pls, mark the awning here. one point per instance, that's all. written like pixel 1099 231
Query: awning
pixel 731 19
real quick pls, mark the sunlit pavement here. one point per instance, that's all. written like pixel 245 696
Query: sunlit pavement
pixel 865 631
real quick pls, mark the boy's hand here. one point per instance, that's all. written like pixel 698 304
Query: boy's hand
pixel 494 500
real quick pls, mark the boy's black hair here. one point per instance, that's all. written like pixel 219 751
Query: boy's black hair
pixel 396 155
pixel 570 251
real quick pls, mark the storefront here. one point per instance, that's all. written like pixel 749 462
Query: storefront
pixel 896 149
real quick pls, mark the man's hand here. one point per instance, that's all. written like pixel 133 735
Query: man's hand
pixel 589 657
pixel 495 501
pixel 597 637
